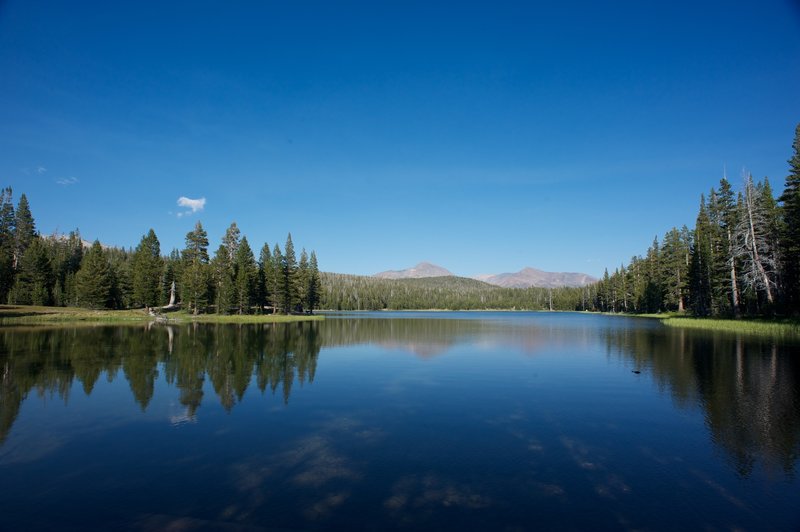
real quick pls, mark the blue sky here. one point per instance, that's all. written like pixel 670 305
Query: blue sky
pixel 483 137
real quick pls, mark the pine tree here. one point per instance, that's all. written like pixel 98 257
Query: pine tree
pixel 7 243
pixel 246 277
pixel 654 289
pixel 231 242
pixel 24 228
pixel 34 280
pixel 195 279
pixel 265 273
pixel 790 233
pixel 302 280
pixel 314 285
pixel 147 268
pixel 700 266
pixel 278 288
pixel 728 219
pixel 120 261
pixel 675 268
pixel 66 254
pixel 94 280
pixel 222 271
pixel 718 258
pixel 291 294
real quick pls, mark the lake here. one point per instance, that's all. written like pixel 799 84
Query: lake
pixel 474 420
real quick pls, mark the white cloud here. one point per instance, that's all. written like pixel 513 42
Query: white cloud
pixel 66 181
pixel 194 205
pixel 40 170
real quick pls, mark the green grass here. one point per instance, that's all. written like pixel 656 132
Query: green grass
pixel 761 327
pixel 33 315
pixel 780 328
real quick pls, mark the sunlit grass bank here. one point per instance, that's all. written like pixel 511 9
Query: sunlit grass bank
pixel 779 328
pixel 32 315
pixel 783 328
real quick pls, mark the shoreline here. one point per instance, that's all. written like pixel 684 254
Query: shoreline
pixel 11 315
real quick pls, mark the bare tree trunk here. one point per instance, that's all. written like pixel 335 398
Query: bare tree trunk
pixel 734 284
pixel 761 271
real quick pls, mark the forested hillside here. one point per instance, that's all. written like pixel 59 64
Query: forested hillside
pixel 354 292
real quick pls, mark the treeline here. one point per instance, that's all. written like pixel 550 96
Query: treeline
pixel 61 270
pixel 355 292
pixel 741 258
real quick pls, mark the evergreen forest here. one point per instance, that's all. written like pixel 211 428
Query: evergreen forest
pixel 64 270
pixel 742 258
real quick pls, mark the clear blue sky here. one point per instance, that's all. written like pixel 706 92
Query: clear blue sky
pixel 483 137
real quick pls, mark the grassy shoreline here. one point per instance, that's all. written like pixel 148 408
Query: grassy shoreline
pixel 757 326
pixel 33 315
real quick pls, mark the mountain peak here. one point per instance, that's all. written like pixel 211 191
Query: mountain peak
pixel 423 269
pixel 528 277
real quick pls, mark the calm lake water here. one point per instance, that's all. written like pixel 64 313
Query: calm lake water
pixel 492 421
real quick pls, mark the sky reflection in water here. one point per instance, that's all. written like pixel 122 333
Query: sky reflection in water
pixel 441 420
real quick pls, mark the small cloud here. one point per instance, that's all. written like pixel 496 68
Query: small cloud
pixel 66 181
pixel 194 205
pixel 40 170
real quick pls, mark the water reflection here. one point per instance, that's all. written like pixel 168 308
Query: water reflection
pixel 50 361
pixel 747 388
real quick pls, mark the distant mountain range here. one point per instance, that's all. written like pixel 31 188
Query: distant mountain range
pixel 528 277
pixel 524 278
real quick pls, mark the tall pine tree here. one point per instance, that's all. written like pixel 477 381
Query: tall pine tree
pixel 95 279
pixel 790 233
pixel 195 287
pixel 700 266
pixel 246 277
pixel 7 243
pixel 277 285
pixel 24 228
pixel 314 290
pixel 147 269
pixel 264 277
pixel 291 292
pixel 222 272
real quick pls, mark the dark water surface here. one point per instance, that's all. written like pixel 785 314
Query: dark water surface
pixel 492 421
